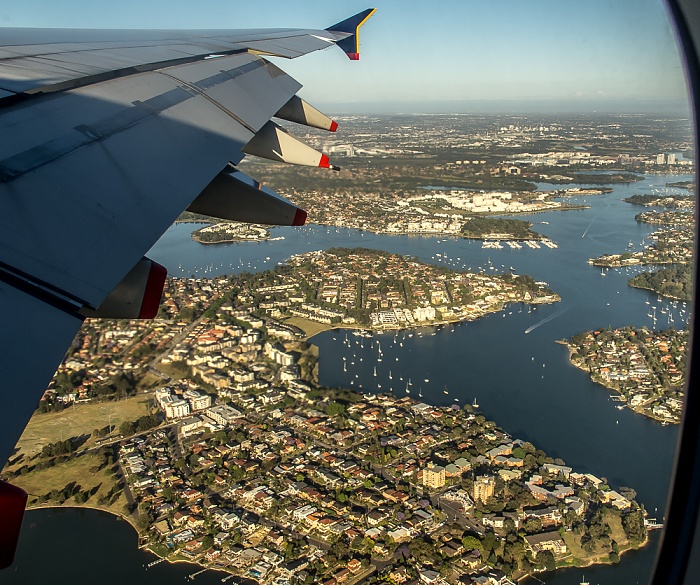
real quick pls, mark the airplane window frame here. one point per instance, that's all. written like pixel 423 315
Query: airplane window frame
pixel 678 560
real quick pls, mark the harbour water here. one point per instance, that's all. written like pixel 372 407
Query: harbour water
pixel 508 361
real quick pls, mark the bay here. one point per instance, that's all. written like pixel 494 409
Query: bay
pixel 522 381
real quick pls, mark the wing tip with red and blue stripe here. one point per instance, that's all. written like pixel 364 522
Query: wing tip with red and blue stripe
pixel 351 45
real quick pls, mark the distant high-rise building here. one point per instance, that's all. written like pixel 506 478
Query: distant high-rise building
pixel 661 159
pixel 434 476
pixel 671 159
pixel 484 488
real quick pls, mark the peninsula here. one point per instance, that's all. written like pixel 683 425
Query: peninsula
pixel 646 368
pixel 669 246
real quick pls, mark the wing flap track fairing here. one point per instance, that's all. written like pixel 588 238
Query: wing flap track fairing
pixel 234 196
pixel 274 143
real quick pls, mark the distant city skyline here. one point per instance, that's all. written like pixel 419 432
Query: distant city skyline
pixel 510 56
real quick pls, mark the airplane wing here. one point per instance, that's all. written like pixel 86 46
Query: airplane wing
pixel 107 136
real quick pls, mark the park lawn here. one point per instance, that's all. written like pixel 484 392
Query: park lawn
pixel 309 327
pixel 573 543
pixel 618 533
pixel 39 482
pixel 600 554
pixel 79 420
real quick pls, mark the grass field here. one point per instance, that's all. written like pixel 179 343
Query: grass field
pixel 38 483
pixel 573 542
pixel 311 328
pixel 79 420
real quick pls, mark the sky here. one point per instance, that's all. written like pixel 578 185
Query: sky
pixel 440 56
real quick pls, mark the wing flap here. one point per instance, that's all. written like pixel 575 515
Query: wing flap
pixel 235 196
pixel 148 145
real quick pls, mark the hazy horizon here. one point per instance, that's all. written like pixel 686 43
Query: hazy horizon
pixel 673 108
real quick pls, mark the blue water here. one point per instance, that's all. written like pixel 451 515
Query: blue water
pixel 523 381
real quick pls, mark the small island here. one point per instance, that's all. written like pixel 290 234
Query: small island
pixel 578 191
pixel 646 368
pixel 221 232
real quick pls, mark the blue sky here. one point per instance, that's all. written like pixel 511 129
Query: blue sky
pixel 434 56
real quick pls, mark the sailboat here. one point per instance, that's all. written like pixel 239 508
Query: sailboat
pixel 584 582
pixel 389 374
pixel 475 404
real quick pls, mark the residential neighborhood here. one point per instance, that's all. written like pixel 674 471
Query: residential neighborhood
pixel 257 470
pixel 645 367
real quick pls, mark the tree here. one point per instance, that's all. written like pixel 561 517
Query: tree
pixel 144 521
pixel 471 543
pixel 633 524
pixel 489 541
pixel 545 559
pixel 335 408
pixel 126 428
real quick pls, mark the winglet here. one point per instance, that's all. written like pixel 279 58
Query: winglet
pixel 351 44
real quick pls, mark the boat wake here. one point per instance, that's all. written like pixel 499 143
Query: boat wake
pixel 545 320
pixel 583 235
